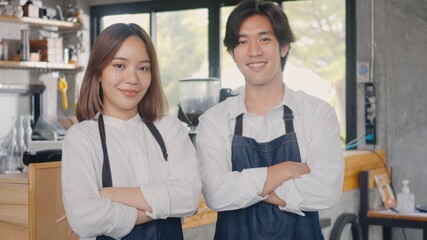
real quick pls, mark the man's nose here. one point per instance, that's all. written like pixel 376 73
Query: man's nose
pixel 254 49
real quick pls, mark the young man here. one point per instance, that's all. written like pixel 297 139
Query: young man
pixel 269 157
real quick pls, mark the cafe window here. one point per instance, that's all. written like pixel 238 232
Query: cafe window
pixel 181 42
pixel 182 49
pixel 142 19
pixel 317 60
pixel 188 47
pixel 316 63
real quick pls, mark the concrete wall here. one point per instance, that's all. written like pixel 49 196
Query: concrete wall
pixel 400 37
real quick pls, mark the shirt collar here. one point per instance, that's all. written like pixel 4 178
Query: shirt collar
pixel 236 105
pixel 119 122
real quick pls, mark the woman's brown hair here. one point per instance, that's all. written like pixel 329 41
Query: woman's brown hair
pixel 109 41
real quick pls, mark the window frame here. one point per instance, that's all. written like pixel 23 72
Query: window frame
pixel 215 41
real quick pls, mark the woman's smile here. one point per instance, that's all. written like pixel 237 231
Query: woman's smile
pixel 129 92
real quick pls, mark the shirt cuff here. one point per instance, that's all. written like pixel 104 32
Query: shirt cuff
pixel 288 193
pixel 157 198
pixel 258 177
pixel 122 228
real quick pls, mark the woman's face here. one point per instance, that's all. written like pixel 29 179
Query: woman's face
pixel 125 79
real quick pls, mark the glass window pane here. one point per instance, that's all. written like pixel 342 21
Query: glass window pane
pixel 317 59
pixel 231 77
pixel 142 19
pixel 182 49
pixel 316 62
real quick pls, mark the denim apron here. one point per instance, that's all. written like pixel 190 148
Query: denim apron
pixel 263 220
pixel 159 229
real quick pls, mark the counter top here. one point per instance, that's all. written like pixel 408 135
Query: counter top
pixel 17 178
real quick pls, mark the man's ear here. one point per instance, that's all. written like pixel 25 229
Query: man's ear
pixel 284 50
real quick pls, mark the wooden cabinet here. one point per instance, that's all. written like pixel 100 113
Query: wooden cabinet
pixel 203 216
pixel 31 202
pixel 14 206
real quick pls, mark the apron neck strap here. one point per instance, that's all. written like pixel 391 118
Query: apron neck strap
pixel 106 170
pixel 288 118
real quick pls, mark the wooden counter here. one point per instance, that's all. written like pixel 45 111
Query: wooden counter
pixel 14 206
pixel 355 161
pixel 31 202
pixel 38 194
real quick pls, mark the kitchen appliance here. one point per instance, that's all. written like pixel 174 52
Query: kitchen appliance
pixel 196 95
pixel 43 151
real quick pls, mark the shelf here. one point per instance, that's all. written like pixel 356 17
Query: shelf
pixel 38 65
pixel 22 88
pixel 38 22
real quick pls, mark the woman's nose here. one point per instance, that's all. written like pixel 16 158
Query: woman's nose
pixel 132 77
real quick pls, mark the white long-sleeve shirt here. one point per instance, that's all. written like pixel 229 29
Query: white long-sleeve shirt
pixel 171 188
pixel 317 130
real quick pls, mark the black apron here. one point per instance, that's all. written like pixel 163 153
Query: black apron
pixel 263 220
pixel 159 229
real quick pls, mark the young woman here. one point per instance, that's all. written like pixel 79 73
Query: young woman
pixel 128 170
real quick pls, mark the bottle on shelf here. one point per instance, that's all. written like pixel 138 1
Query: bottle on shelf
pixel 25 45
pixel 22 145
pixel 4 50
pixel 29 130
pixel 14 163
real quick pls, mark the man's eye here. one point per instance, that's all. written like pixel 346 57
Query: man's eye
pixel 242 42
pixel 265 39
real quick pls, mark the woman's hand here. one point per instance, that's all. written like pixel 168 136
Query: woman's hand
pixel 106 193
pixel 70 231
pixel 142 218
pixel 130 196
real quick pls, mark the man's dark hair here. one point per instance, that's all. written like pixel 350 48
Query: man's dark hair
pixel 276 16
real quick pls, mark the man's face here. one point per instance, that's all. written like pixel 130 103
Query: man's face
pixel 257 54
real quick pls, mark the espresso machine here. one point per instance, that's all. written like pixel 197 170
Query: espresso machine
pixel 196 95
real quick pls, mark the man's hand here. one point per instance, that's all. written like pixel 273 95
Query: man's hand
pixel 275 200
pixel 297 169
pixel 281 172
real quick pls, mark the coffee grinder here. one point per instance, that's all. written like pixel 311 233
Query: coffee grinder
pixel 196 95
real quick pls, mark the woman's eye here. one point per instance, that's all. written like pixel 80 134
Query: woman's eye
pixel 118 65
pixel 145 69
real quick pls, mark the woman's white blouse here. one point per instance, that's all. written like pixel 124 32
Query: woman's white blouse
pixel 171 188
pixel 318 136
